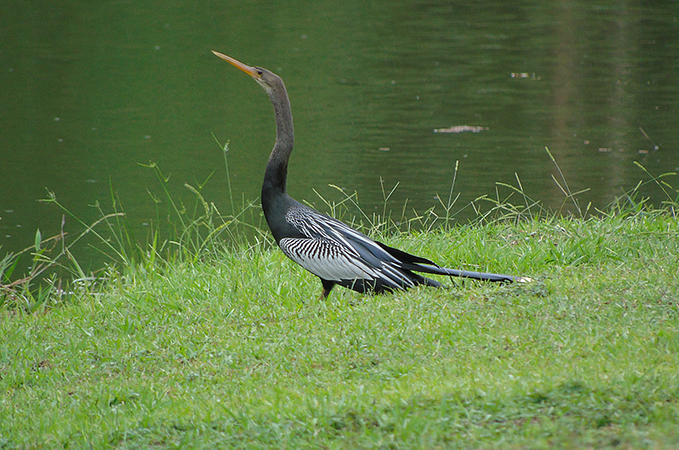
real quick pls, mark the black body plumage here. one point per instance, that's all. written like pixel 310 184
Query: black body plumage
pixel 326 247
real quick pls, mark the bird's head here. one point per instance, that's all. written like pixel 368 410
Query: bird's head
pixel 263 77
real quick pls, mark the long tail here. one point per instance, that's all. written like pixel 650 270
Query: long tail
pixel 469 274
pixel 419 264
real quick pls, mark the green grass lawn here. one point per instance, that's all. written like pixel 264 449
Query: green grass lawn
pixel 238 351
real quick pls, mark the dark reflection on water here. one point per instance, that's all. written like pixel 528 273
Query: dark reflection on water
pixel 87 92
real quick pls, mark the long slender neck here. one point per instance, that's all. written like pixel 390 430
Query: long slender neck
pixel 276 174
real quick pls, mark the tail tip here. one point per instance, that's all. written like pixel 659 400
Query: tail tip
pixel 523 280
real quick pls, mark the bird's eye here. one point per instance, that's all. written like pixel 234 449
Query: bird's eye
pixel 260 72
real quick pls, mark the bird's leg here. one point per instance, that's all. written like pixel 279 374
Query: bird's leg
pixel 327 287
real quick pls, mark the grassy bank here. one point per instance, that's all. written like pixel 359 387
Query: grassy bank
pixel 235 349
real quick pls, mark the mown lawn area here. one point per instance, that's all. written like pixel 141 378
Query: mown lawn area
pixel 237 350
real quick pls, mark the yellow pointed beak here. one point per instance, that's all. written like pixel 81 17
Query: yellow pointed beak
pixel 247 69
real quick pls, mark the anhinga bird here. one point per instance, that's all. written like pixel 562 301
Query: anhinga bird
pixel 326 247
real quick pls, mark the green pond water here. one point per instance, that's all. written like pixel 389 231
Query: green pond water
pixel 90 91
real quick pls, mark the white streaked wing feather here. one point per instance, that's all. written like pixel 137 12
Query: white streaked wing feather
pixel 327 260
pixel 316 226
pixel 335 251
